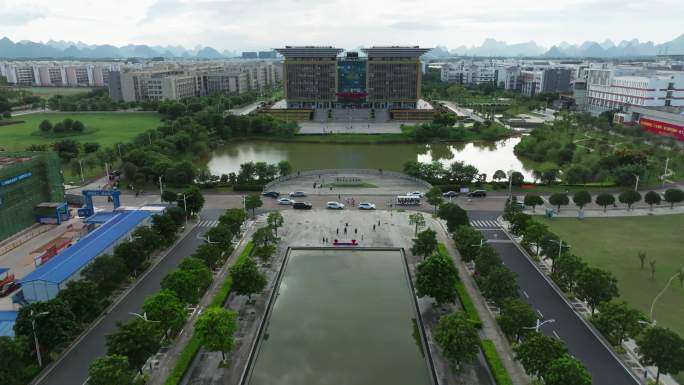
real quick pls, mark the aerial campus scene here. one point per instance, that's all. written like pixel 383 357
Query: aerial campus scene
pixel 326 193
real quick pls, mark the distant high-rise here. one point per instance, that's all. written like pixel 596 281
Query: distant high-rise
pixel 250 55
pixel 317 77
pixel 267 54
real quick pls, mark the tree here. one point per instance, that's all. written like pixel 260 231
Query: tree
pixel 275 220
pixel 516 318
pixel 78 126
pixel 216 329
pixel 252 202
pixel 91 147
pixel 605 200
pixel 596 286
pixel 220 235
pixel 284 168
pixel 457 338
pixel 652 198
pixel 499 285
pixel 662 348
pixel 436 277
pixel 425 243
pixel 434 197
pixel 132 255
pixel 487 260
pixel 618 321
pixel 499 175
pixel 559 199
pixel 467 241
pixel 137 339
pixel 147 239
pixel 264 252
pixel 581 198
pixel 45 126
pixel 534 233
pixel 674 195
pixel 165 226
pixel 247 279
pixel 567 370
pixel 454 216
pixel 194 200
pixel 109 370
pixel 517 178
pixel 642 258
pixel 533 201
pixel 417 220
pixel 652 263
pixel 16 366
pixel 233 219
pixel 107 271
pixel 566 271
pixel 169 196
pixel 52 329
pixel 537 352
pixel 629 198
pixel 210 253
pixel 165 308
pixel 263 236
pixel 83 299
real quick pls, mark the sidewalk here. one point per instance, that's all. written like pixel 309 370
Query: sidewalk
pixel 490 328
pixel 611 212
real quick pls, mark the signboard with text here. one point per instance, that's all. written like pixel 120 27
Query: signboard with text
pixel 15 179
pixel 662 128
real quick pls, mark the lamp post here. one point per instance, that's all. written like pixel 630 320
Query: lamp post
pixel 142 317
pixel 560 244
pixel 161 189
pixel 35 336
pixel 80 165
pixel 185 206
pixel 539 324
pixel 667 162
pixel 636 184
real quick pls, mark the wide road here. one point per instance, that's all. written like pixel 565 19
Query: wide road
pixel 548 304
pixel 72 369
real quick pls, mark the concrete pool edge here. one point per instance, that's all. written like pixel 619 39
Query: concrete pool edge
pixel 247 371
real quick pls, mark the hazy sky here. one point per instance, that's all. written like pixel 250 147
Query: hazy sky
pixel 257 24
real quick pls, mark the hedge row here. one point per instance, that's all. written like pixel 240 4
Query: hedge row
pixel 248 187
pixel 190 350
pixel 495 365
pixel 468 305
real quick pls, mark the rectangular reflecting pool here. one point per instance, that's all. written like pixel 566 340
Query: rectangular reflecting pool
pixel 341 317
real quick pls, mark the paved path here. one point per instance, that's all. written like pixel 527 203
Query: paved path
pixel 245 110
pixel 355 127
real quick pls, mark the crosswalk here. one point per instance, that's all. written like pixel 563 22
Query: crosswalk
pixel 207 223
pixel 485 224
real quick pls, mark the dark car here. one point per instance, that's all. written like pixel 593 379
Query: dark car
pixel 302 206
pixel 451 194
pixel 478 194
pixel 271 194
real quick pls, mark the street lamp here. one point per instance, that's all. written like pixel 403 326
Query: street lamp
pixel 142 317
pixel 636 184
pixel 539 324
pixel 185 206
pixel 161 189
pixel 35 336
pixel 560 244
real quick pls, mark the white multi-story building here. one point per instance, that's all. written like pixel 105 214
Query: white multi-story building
pixel 469 72
pixel 616 87
pixel 57 74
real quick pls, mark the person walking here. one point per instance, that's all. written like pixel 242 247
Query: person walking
pixel 337 231
pixel 355 231
pixel 373 226
pixel 345 231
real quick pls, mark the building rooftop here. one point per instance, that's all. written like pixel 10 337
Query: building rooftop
pixel 7 320
pixel 396 51
pixel 308 51
pixel 71 260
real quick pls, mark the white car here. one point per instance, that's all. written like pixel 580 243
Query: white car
pixel 366 206
pixel 297 194
pixel 335 205
pixel 414 194
pixel 286 201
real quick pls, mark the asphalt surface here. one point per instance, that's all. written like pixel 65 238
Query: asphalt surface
pixel 536 290
pixel 73 368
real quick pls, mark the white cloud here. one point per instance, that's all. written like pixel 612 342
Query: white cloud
pixel 257 24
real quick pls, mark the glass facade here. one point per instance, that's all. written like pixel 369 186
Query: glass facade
pixel 351 82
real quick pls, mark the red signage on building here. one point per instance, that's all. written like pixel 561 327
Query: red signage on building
pixel 662 128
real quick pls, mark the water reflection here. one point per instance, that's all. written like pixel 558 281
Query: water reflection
pixel 486 156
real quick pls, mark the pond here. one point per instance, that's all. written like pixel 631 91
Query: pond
pixel 486 156
pixel 342 317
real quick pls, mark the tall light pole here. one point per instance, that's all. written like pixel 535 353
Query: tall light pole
pixel 80 165
pixel 161 189
pixel 636 184
pixel 667 162
pixel 118 145
pixel 539 324
pixel 185 206
pixel 35 336
pixel 560 244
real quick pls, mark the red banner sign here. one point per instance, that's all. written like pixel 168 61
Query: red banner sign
pixel 662 128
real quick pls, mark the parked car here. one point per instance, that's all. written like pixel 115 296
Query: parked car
pixel 415 194
pixel 9 288
pixel 285 201
pixel 478 194
pixel 451 194
pixel 302 206
pixel 518 204
pixel 335 205
pixel 297 194
pixel 272 194
pixel 366 206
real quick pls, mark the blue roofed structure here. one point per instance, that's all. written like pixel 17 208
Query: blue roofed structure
pixel 7 321
pixel 49 278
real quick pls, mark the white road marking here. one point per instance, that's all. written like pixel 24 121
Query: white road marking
pixel 525 294
pixel 540 313
pixel 556 334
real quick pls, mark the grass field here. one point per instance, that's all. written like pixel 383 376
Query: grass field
pixel 106 128
pixel 613 244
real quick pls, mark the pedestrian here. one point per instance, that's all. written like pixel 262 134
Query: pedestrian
pixel 355 231
pixel 338 197
pixel 378 223
pixel 346 224
pixel 345 231
pixel 337 231
pixel 373 226
pixel 323 240
pixel 362 237
pixel 330 188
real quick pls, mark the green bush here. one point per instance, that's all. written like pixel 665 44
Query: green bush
pixel 495 365
pixel 468 305
pixel 248 187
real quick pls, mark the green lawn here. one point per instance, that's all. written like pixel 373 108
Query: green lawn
pixel 106 128
pixel 613 244
pixel 48 92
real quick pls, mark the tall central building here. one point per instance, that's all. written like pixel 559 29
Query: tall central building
pixel 320 77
